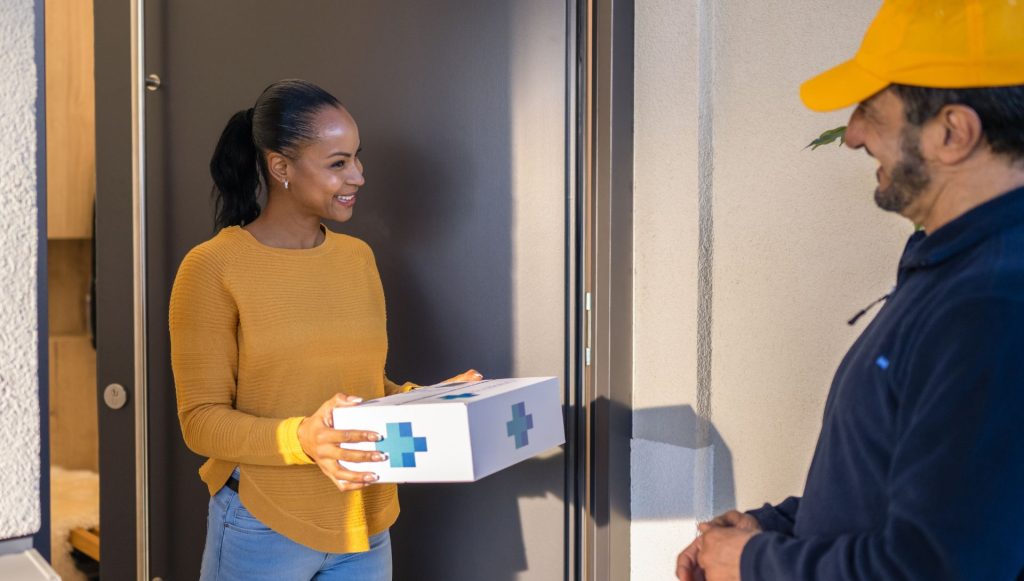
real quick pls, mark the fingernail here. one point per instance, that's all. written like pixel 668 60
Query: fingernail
pixel 380 457
pixel 371 478
pixel 355 399
pixel 380 437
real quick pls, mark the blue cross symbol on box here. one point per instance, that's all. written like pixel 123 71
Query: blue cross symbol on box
pixel 400 445
pixel 452 396
pixel 520 425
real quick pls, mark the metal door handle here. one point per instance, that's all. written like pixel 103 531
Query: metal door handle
pixel 140 84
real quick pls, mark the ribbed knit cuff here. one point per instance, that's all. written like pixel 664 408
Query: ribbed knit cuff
pixel 770 520
pixel 391 388
pixel 288 442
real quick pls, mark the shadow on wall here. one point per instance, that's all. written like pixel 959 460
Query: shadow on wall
pixel 678 473
pixel 680 470
pixel 484 543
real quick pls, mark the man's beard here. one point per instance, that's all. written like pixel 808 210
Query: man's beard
pixel 909 177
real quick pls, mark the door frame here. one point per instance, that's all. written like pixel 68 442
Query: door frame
pixel 114 289
pixel 41 538
pixel 598 243
pixel 605 213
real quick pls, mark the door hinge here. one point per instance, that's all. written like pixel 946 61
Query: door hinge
pixel 590 330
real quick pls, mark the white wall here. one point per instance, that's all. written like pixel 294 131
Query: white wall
pixel 794 247
pixel 19 378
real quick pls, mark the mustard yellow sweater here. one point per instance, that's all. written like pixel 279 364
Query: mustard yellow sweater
pixel 260 338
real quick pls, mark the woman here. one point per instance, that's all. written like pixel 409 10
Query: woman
pixel 268 320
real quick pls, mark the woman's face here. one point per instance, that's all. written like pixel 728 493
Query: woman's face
pixel 325 176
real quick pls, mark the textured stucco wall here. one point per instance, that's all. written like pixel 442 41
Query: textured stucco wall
pixel 669 476
pixel 19 379
pixel 732 369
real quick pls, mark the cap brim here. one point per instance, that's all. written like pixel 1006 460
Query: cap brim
pixel 840 87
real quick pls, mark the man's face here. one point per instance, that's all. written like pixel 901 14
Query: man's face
pixel 880 127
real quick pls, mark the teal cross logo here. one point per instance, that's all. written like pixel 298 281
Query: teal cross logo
pixel 520 425
pixel 452 396
pixel 401 446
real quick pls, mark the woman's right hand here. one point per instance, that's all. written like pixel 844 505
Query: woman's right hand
pixel 321 442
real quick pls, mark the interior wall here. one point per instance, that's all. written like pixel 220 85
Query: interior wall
pixel 71 188
pixel 19 248
pixel 751 253
pixel 537 75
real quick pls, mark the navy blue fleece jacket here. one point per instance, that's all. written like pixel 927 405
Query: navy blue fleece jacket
pixel 919 469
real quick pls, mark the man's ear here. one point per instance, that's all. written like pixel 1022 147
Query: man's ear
pixel 961 133
pixel 277 165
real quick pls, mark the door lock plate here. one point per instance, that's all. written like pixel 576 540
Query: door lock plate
pixel 115 396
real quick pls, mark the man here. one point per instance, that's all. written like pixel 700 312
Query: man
pixel 919 468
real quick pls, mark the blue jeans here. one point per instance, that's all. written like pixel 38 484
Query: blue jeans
pixel 240 547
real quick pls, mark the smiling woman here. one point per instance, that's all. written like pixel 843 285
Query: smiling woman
pixel 268 321
pixel 297 138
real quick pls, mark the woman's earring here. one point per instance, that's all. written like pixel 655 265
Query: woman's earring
pixel 286 184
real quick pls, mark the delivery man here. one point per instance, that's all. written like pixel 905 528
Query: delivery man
pixel 918 472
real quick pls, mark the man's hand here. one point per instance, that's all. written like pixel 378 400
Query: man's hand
pixel 733 518
pixel 321 442
pixel 720 552
pixel 690 565
pixel 687 568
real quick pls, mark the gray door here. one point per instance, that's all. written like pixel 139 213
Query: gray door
pixel 461 106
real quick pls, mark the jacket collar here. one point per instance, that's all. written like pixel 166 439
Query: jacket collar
pixel 965 232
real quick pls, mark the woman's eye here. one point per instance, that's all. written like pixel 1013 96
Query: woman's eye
pixel 338 164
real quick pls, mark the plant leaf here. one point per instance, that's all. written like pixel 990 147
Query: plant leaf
pixel 828 137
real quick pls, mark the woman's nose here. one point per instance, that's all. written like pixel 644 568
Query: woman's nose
pixel 356 177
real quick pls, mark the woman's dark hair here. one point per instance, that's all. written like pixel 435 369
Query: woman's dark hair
pixel 281 121
pixel 1001 110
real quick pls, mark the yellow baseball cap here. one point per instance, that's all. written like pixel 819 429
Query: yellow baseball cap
pixel 943 44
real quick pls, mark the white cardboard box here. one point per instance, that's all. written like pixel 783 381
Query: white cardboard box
pixel 458 432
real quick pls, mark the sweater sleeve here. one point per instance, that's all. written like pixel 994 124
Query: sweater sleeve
pixel 390 387
pixel 954 489
pixel 779 518
pixel 203 323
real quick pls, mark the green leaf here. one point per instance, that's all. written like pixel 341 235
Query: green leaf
pixel 828 137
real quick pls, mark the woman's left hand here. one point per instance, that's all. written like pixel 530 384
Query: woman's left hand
pixel 471 375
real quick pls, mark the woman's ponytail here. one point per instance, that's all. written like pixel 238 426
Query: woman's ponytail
pixel 235 173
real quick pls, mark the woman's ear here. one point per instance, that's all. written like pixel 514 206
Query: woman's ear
pixel 277 165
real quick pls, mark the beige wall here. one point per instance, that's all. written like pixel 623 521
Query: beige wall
pixel 796 246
